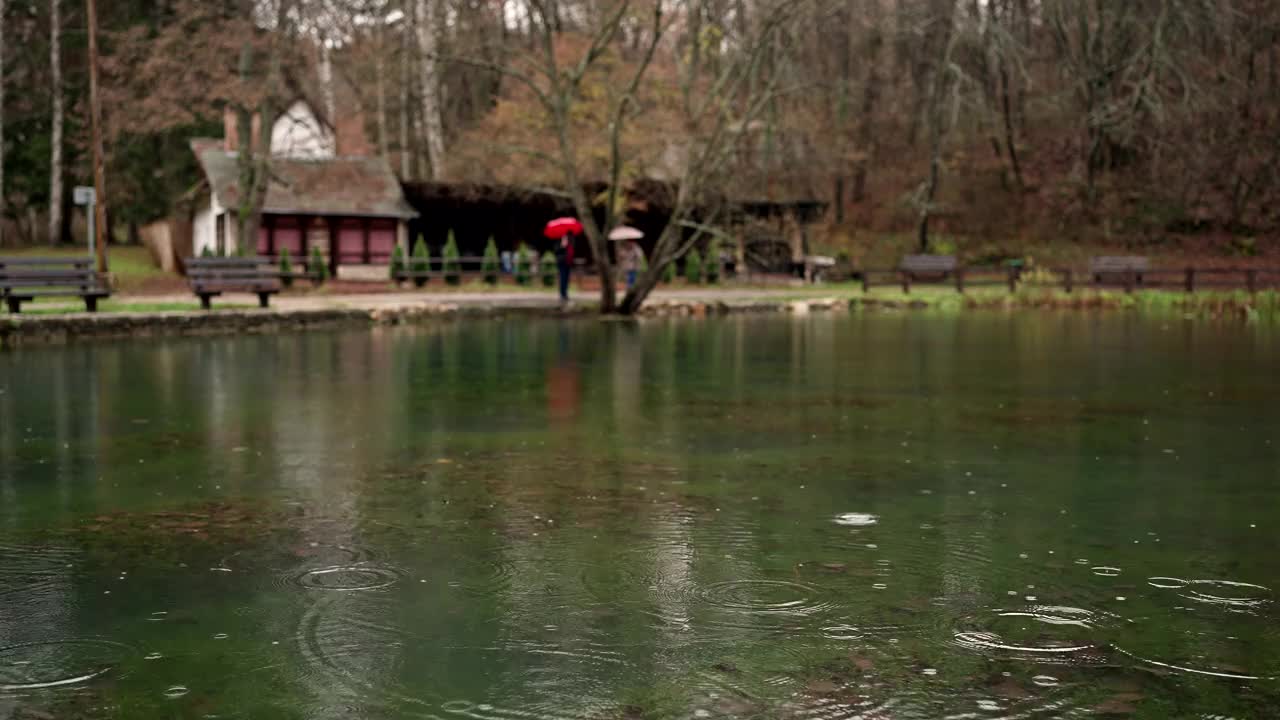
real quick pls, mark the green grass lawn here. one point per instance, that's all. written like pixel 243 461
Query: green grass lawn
pixel 126 261
pixel 60 306
pixel 131 265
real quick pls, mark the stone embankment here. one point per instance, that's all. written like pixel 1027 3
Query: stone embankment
pixel 19 330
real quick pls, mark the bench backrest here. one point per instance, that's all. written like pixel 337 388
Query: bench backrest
pixel 1119 263
pixel 255 271
pixel 47 272
pixel 929 263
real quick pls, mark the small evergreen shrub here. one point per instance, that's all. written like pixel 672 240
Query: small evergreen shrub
pixel 489 266
pixel 421 262
pixel 547 266
pixel 317 267
pixel 452 262
pixel 207 252
pixel 397 263
pixel 712 265
pixel 286 268
pixel 524 265
pixel 693 267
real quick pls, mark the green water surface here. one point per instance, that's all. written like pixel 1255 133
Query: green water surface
pixel 816 518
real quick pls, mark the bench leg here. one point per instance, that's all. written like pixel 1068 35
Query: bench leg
pixel 15 305
pixel 91 304
pixel 906 283
pixel 866 281
pixel 206 302
pixel 264 300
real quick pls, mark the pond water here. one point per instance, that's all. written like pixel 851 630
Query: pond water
pixel 869 516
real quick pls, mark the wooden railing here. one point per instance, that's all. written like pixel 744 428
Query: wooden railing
pixel 1186 279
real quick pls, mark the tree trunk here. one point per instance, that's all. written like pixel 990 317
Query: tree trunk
pixel 326 81
pixel 1006 102
pixel 937 89
pixel 432 124
pixel 55 139
pixel 380 68
pixel 406 78
pixel 95 122
pixel 1007 111
pixel 870 97
pixel 3 207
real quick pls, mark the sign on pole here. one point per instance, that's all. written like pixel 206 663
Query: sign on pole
pixel 85 195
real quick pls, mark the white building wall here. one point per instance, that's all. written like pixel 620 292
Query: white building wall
pixel 204 228
pixel 298 133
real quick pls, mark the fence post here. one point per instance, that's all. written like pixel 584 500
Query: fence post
pixel 1251 280
pixel 1191 280
pixel 1067 280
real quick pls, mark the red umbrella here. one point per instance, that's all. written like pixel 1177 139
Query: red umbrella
pixel 560 227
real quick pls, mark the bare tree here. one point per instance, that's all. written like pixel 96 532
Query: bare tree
pixel 380 81
pixel 940 76
pixel 55 142
pixel 874 43
pixel 428 20
pixel 724 93
pixel 406 81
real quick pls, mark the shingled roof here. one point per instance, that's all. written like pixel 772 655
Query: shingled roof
pixel 346 186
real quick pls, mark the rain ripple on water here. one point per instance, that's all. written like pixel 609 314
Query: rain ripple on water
pixel 1037 631
pixel 58 663
pixel 1217 592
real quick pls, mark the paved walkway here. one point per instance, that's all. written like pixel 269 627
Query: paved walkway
pixel 376 301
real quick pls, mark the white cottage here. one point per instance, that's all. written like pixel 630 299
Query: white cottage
pixel 350 207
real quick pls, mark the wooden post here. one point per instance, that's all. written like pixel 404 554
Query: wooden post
pixel 866 281
pixel 1067 280
pixel 960 280
pixel 1191 280
pixel 1251 280
pixel 1013 279
pixel 95 121
pixel 333 246
pixel 304 243
pixel 906 283
pixel 364 229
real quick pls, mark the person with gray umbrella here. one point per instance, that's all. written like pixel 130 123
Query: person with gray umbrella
pixel 630 254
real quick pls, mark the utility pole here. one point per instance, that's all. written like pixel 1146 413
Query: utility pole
pixel 95 114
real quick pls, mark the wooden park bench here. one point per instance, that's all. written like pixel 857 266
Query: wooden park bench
pixel 1124 270
pixel 25 279
pixel 210 276
pixel 816 267
pixel 936 268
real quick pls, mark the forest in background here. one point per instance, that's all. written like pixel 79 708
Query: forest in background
pixel 988 126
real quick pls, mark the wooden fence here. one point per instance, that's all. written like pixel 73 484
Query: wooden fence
pixel 1187 279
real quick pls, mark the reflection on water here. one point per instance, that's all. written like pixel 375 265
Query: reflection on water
pixel 871 516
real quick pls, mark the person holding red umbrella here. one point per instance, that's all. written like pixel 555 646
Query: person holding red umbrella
pixel 563 231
